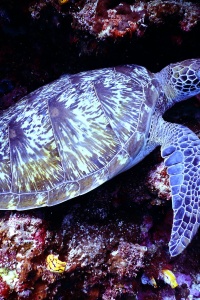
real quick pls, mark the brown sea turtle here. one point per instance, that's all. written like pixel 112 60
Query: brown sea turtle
pixel 70 136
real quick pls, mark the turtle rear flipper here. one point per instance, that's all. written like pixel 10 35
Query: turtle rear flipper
pixel 181 151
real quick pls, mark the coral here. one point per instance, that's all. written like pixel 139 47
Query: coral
pixel 9 276
pixel 126 260
pixel 191 285
pixel 103 249
pixel 195 287
pixel 121 258
pixel 118 292
pixel 116 19
pixel 36 8
pixel 4 289
pixel 22 240
pixel 101 252
pixel 184 279
pixel 158 181
pixel 83 244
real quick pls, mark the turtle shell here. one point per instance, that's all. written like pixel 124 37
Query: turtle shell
pixel 70 136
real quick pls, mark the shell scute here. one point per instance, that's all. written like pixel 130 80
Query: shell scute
pixel 35 162
pixel 9 201
pixel 5 158
pixel 151 94
pixel 63 192
pixel 117 164
pixel 115 99
pixel 94 180
pixel 82 133
pixel 32 200
pixel 135 143
pixel 81 80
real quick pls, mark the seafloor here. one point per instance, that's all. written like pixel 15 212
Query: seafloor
pixel 113 242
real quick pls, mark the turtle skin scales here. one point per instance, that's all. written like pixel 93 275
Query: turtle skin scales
pixel 72 135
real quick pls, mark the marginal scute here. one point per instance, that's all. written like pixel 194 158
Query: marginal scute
pixel 117 164
pixel 138 73
pixel 5 178
pixel 63 192
pixel 93 180
pixel 32 200
pixel 9 201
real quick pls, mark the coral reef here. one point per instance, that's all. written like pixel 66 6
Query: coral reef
pixel 99 250
pixel 115 19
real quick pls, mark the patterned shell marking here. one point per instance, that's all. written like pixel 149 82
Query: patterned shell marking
pixel 70 136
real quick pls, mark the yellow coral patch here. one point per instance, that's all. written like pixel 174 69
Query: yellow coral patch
pixel 54 264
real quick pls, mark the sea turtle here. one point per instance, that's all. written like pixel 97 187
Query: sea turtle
pixel 70 136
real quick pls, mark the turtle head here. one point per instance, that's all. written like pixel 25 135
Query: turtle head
pixel 181 81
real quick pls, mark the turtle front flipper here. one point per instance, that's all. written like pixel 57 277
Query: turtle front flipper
pixel 181 152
